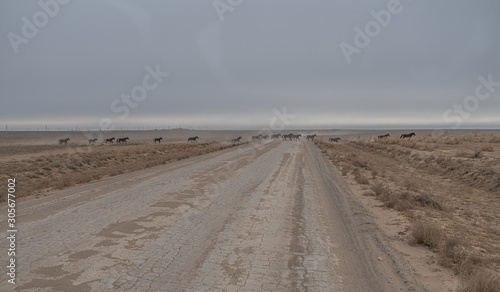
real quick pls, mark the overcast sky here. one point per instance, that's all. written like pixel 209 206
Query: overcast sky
pixel 235 63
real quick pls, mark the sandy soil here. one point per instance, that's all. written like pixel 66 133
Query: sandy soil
pixel 460 188
pixel 262 217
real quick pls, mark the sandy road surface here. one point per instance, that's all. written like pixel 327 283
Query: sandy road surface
pixel 267 217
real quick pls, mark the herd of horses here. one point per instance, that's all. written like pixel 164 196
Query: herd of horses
pixel 260 137
pixel 403 136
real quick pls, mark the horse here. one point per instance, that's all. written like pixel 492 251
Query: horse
pixel 384 136
pixel 265 137
pixel 310 137
pixel 193 139
pixel 258 137
pixel 287 137
pixel 296 137
pixel 237 140
pixel 92 141
pixel 158 140
pixel 63 141
pixel 403 136
pixel 110 140
pixel 122 140
pixel 334 140
pixel 275 137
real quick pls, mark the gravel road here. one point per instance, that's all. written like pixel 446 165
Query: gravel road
pixel 260 217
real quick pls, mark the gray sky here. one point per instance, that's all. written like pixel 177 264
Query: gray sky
pixel 237 67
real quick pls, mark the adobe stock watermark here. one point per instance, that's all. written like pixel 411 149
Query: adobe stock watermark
pixel 372 29
pixel 29 29
pixel 223 6
pixel 138 93
pixel 461 111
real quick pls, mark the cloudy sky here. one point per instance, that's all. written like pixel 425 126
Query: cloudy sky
pixel 241 63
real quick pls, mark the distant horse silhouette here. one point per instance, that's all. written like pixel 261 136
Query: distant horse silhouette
pixel 310 137
pixel 158 140
pixel 296 137
pixel 237 140
pixel 258 137
pixel 334 139
pixel 384 136
pixel 92 141
pixel 193 139
pixel 403 136
pixel 275 137
pixel 63 141
pixel 265 137
pixel 122 140
pixel 110 140
pixel 287 137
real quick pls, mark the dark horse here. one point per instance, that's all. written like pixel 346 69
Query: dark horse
pixel 334 139
pixel 287 137
pixel 122 140
pixel 110 140
pixel 63 141
pixel 384 136
pixel 237 140
pixel 193 139
pixel 158 140
pixel 92 141
pixel 258 137
pixel 275 137
pixel 403 136
pixel 310 137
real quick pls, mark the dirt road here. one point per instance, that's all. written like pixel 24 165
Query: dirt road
pixel 261 217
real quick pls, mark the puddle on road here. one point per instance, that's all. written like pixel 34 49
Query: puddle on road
pixel 82 255
pixel 55 271
pixel 120 229
pixel 171 204
pixel 106 242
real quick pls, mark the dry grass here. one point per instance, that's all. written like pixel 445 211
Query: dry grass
pixel 359 178
pixel 481 281
pixel 427 234
pixel 64 167
pixel 475 277
pixel 450 183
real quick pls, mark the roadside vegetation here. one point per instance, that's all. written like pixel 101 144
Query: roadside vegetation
pixel 39 169
pixel 448 186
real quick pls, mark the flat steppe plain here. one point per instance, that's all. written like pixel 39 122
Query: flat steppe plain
pixel 268 216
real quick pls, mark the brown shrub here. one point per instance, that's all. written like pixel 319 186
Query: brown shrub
pixel 495 139
pixel 358 177
pixel 426 234
pixel 481 280
pixel 381 191
pixel 359 163
pixel 424 200
pixel 477 153
pixel 452 253
pixel 487 148
pixel 462 153
pixel 399 201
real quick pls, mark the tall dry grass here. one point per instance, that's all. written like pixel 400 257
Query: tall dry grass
pixel 465 158
pixel 62 169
